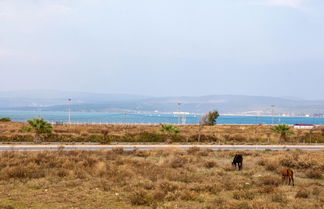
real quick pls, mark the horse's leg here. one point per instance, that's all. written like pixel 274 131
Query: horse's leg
pixel 292 179
pixel 283 179
pixel 289 179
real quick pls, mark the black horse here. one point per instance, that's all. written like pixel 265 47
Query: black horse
pixel 238 160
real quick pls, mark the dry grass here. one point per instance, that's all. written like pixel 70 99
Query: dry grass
pixel 221 134
pixel 192 179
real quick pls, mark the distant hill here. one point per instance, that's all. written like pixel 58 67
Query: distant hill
pixel 45 98
pixel 234 104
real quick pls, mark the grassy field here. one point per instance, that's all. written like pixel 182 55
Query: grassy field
pixel 222 134
pixel 191 179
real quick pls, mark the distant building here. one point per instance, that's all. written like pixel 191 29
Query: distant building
pixel 304 126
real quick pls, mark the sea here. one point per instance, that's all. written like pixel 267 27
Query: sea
pixel 153 118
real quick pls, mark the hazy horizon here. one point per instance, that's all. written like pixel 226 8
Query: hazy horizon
pixel 164 48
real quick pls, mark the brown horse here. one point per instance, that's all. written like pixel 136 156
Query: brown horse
pixel 287 175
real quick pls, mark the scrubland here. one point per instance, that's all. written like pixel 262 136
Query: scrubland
pixel 221 134
pixel 164 179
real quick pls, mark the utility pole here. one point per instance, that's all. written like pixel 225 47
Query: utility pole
pixel 178 104
pixel 272 113
pixel 69 109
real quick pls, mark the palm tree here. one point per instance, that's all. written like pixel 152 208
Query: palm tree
pixel 283 130
pixel 169 129
pixel 40 127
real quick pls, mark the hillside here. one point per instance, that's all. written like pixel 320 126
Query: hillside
pixel 235 104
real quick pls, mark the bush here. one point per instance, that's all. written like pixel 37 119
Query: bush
pixel 188 195
pixel 6 119
pixel 26 129
pixel 270 180
pixel 210 164
pixel 118 150
pixel 6 207
pixel 139 198
pixel 170 129
pixel 178 162
pixel 193 150
pixel 279 197
pixel 314 174
pixel 271 165
pixel 167 186
pixel 316 191
pixel 302 193
pixel 266 189
pixel 239 195
pixel 148 137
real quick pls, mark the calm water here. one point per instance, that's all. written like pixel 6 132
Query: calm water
pixel 99 117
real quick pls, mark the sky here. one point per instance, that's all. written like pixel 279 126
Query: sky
pixel 164 47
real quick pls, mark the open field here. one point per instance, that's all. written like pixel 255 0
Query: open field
pixel 191 179
pixel 221 134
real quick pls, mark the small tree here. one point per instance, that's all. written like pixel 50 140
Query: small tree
pixel 283 130
pixel 40 127
pixel 210 118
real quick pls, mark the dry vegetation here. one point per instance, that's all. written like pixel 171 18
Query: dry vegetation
pixel 222 134
pixel 191 179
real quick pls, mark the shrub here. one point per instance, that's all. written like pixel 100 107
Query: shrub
pixel 6 207
pixel 159 195
pixel 270 180
pixel 170 129
pixel 193 150
pixel 316 191
pixel 238 195
pixel 271 165
pixel 148 137
pixel 188 195
pixel 210 164
pixel 302 193
pixel 242 205
pixel 118 150
pixel 178 162
pixel 26 129
pixel 266 189
pixel 139 198
pixel 314 174
pixel 278 197
pixel 6 119
pixel 167 186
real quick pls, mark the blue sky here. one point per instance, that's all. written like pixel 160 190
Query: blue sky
pixel 164 47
